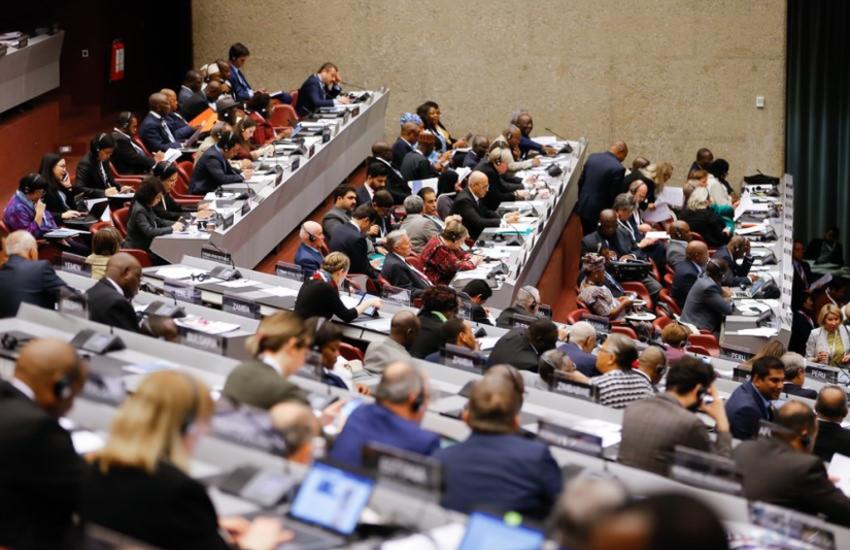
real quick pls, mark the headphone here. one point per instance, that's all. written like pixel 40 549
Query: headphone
pixel 192 413
pixel 36 181
pixel 62 389
pixel 528 289
pixel 9 342
pixel 420 397
pixel 200 277
pixel 124 119
pixel 96 145
pixel 309 236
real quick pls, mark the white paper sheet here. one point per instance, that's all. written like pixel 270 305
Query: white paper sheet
pixel 203 325
pixel 178 272
pixel 240 283
pixel 673 196
pixel 839 467
pixel 86 442
pixel 658 235
pixel 487 342
pixel 660 214
pixel 279 291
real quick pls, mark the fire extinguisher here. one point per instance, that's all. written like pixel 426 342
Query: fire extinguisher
pixel 116 61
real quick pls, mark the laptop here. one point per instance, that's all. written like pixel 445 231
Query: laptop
pixel 327 507
pixel 505 532
pixel 94 214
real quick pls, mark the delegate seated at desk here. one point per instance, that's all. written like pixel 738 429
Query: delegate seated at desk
pixel 831 408
pixel 829 344
pixel 404 328
pixel 707 304
pixel 469 206
pixel 154 130
pixel 214 170
pixel 502 188
pixel 582 341
pixel 309 256
pixel 751 401
pixel 350 239
pixel 396 270
pixel 144 224
pixel 345 200
pixel 168 208
pixel 439 304
pixel 522 347
pixel 319 296
pixel 27 211
pixel 128 157
pixel 688 271
pixel 25 278
pixel 321 89
pixel 422 221
pixel 109 300
pixel 595 294
pixel 444 256
pixel 61 197
pixel 527 303
pixel 738 248
pixel 456 332
pixel 382 153
pixel 94 177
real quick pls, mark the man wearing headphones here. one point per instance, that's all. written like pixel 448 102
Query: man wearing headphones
pixel 154 130
pixel 707 304
pixel 831 408
pixel 39 469
pixel 25 278
pixel 781 470
pixel 653 427
pixel 309 254
pixel 128 157
pixel 401 402
pixel 527 303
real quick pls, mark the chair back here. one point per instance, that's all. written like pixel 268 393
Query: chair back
pixel 120 218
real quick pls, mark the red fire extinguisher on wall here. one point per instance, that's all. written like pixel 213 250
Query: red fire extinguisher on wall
pixel 116 61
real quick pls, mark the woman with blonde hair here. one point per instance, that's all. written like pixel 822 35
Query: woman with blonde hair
pixel 830 342
pixel 139 483
pixel 319 296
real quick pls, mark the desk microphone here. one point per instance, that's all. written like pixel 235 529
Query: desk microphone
pixel 352 85
pixel 226 255
pixel 567 148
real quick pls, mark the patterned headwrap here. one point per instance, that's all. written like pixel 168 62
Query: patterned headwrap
pixel 410 117
pixel 593 263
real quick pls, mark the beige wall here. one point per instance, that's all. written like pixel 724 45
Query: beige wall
pixel 668 76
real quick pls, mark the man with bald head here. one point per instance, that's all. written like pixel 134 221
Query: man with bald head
pixel 405 142
pixel 527 145
pixel 495 467
pixel 309 254
pixel 468 204
pixel 299 427
pixel 396 185
pixel 601 178
pixel 404 328
pixel 109 300
pixel 736 274
pixel 704 158
pixel 154 130
pixel 25 278
pixel 192 83
pixel 39 469
pixel 680 236
pixel 831 408
pixel 687 272
pixel 401 400
pixel 180 129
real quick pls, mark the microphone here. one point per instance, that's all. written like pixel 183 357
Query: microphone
pixel 567 148
pixel 352 85
pixel 224 252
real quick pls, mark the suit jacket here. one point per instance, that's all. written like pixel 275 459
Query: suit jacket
pixel 505 319
pixel 177 512
pixel 110 307
pixel 687 273
pixel 430 337
pixel 317 298
pixel 400 150
pixel 396 184
pixel 211 172
pixel 169 210
pixel 90 178
pixel 585 362
pixel 183 94
pixel 800 391
pixel 707 223
pixel 675 252
pixel 802 279
pixel 334 218
pixel 621 243
pixel 143 226
pixel 602 176
pixel 153 134
pixel 128 158
pixel 745 408
pixel 736 275
pixel 420 229
pixel 501 472
pixel 259 385
pixel 817 248
pixel 500 190
pixel 471 160
pixel 33 282
pixel 196 104
pixel 801 328
pixel 240 88
pixel 776 473
pixel 831 439
pixel 705 305
pixel 59 201
pixel 363 196
pixel 39 474
pixel 180 129
pixel 653 427
pixel 514 349
pixel 416 166
pixel 476 216
pixel 400 274
pixel 381 353
pixel 313 95
pixel 375 423
pixel 348 239
pixel 309 259
pixel 479 315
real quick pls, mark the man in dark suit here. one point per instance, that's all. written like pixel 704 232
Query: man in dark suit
pixel 751 401
pixel 401 400
pixel 109 300
pixel 707 304
pixel 350 239
pixel 500 189
pixel 154 130
pixel 826 250
pixel 528 146
pixel 309 254
pixel 192 83
pixel 128 157
pixel 469 206
pixel 439 304
pixel 795 376
pixel 416 164
pixel 478 292
pixel 477 152
pixel 602 175
pixel 396 185
pixel 396 270
pixel 803 276
pixel 376 180
pixel 781 470
pixel 495 467
pixel 345 199
pixel 522 347
pixel 653 427
pixel 40 472
pixel 199 102
pixel 25 278
pixel 582 342
pixel 527 303
pixel 175 121
pixel 688 271
pixel 405 142
pixel 738 248
pixel 831 408
pixel 213 169
pixel 320 90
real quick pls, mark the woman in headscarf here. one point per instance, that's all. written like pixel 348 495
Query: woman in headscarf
pixel 595 294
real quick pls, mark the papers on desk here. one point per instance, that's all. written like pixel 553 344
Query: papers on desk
pixel 660 214
pixel 658 235
pixel 462 173
pixel 839 467
pixel 240 283
pixel 673 196
pixel 86 442
pixel 495 253
pixel 514 228
pixel 279 291
pixel 746 204
pixel 751 230
pixel 487 342
pixel 125 196
pixel 822 281
pixel 551 141
pixel 764 332
pixel 63 233
pixel 416 185
pixel 608 431
pixel 193 322
pixel 178 272
pixel 171 155
pixel 445 536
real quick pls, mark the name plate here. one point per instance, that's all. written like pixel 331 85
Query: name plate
pixel 824 374
pixel 408 469
pixel 294 163
pixel 278 175
pixel 794 525
pixel 73 263
pixel 218 256
pixel 706 470
pixel 289 271
pixel 326 135
pixel 580 390
pixel 740 375
pixel 735 355
pixel 182 291
pixel 227 222
pixel 240 306
pixel 73 305
pixel 246 207
pixel 214 343
pixel 250 427
pixel 23 41
pixel 462 358
pixel 570 439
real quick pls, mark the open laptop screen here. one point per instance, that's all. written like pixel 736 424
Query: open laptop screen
pixel 505 533
pixel 332 498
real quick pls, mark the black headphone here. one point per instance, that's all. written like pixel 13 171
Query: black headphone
pixel 34 182
pixel 63 389
pixel 309 236
pixel 200 277
pixel 420 398
pixel 124 119
pixel 96 146
pixel 192 413
pixel 9 342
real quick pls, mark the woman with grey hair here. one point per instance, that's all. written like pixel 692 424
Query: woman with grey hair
pixel 704 220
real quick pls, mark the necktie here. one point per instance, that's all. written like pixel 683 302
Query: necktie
pixel 103 174
pixel 167 131
pixel 421 275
